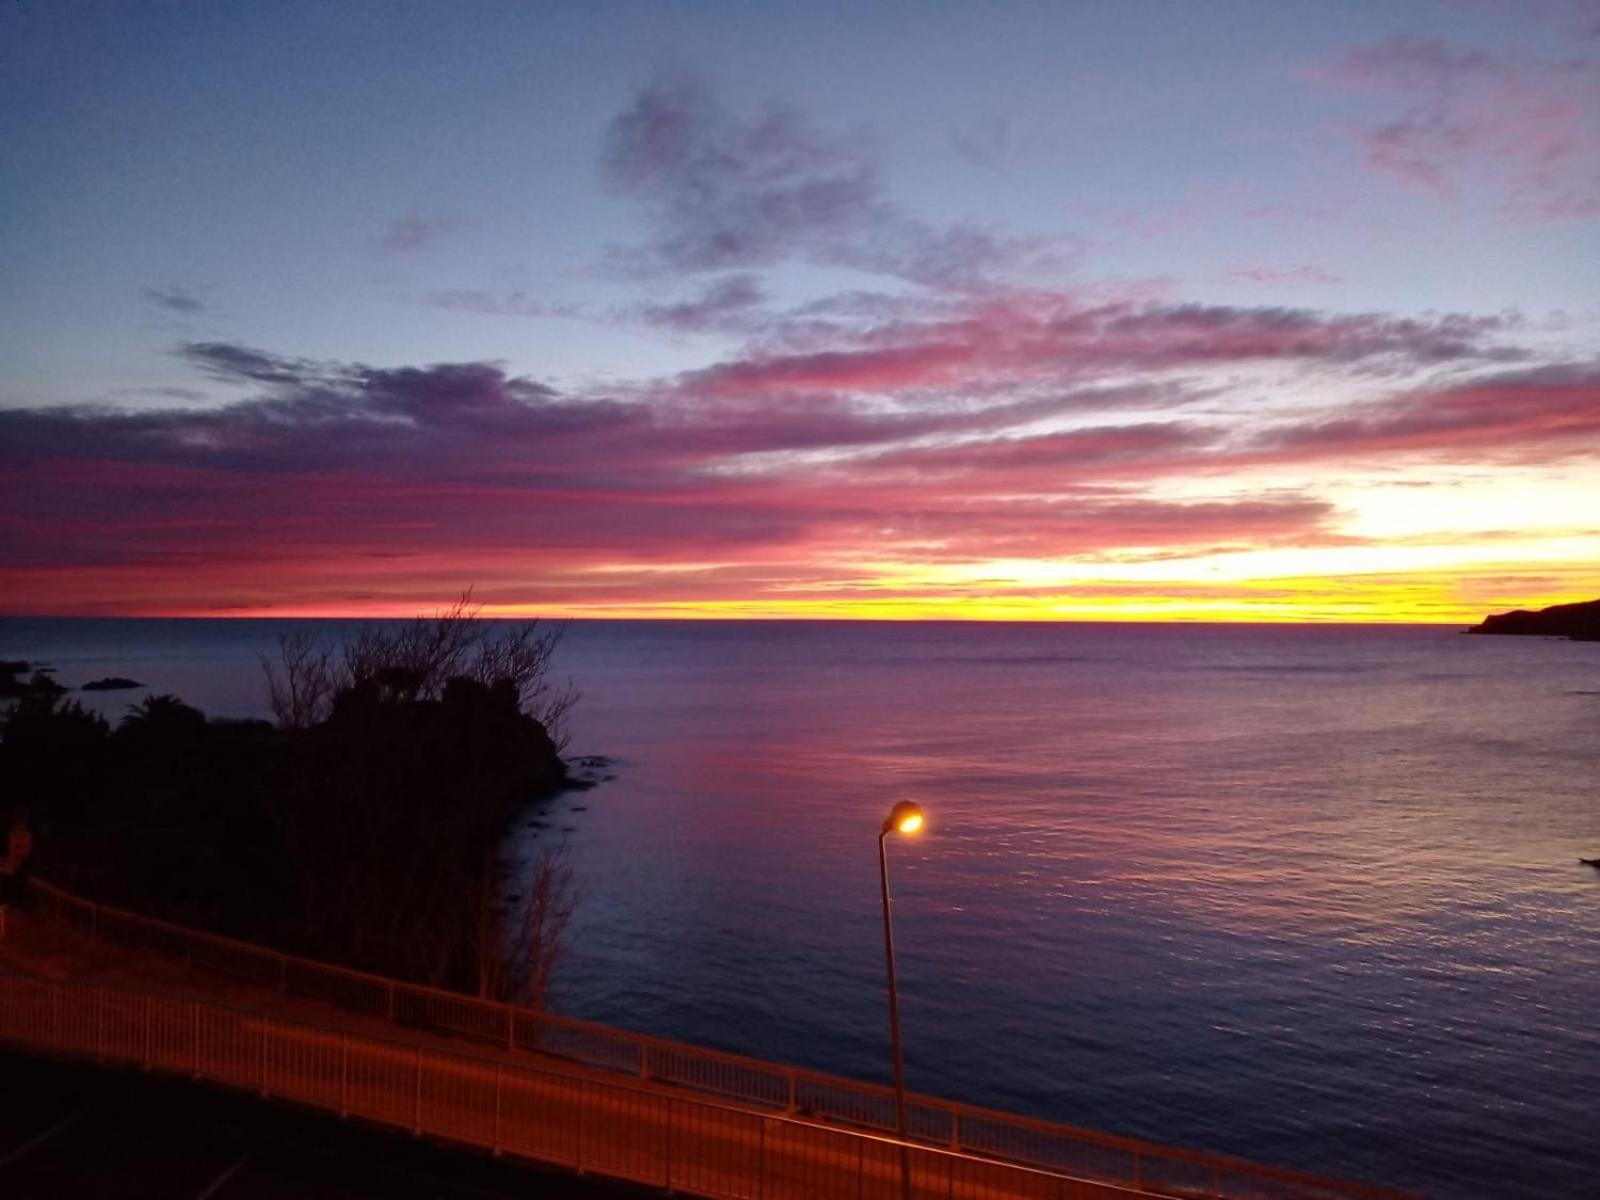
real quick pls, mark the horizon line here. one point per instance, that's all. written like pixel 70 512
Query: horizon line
pixel 686 618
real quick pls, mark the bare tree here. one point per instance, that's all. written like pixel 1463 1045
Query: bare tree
pixel 522 937
pixel 546 912
pixel 416 660
pixel 522 654
pixel 302 683
pixel 427 651
pixel 415 743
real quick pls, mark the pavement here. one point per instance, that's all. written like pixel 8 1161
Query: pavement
pixel 37 948
pixel 71 1131
pixel 556 1109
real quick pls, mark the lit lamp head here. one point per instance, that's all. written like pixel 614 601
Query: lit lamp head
pixel 904 817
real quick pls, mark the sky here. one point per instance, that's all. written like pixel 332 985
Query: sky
pixel 1240 311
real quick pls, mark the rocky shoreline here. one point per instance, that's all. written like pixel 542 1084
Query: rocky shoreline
pixel 1577 622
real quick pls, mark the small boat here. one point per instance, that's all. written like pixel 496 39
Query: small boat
pixel 1591 862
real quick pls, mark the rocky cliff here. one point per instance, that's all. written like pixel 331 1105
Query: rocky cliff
pixel 1580 622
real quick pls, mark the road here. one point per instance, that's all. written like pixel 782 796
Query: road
pixel 69 1131
pixel 537 1105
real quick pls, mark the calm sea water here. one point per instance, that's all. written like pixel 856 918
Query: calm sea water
pixel 1307 895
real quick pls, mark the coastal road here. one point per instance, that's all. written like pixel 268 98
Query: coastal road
pixel 616 1129
pixel 69 1131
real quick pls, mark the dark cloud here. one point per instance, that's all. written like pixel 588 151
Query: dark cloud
pixel 498 304
pixel 188 395
pixel 414 233
pixel 923 364
pixel 1302 274
pixel 727 192
pixel 412 423
pixel 994 142
pixel 175 298
pixel 1197 333
pixel 233 363
pixel 727 303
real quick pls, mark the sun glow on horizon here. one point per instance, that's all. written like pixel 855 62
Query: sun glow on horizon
pixel 1442 598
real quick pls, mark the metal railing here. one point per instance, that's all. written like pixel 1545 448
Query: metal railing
pixel 628 1131
pixel 808 1099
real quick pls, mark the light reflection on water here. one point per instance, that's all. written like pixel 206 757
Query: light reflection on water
pixel 1306 895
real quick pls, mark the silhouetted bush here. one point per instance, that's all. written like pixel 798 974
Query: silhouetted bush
pixel 112 683
pixel 416 661
pixel 362 828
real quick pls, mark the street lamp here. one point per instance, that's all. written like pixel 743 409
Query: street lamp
pixel 905 817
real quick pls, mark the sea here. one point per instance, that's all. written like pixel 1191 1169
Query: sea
pixel 1309 895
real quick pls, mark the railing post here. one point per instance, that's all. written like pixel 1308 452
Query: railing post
pixel 1138 1170
pixel 955 1130
pixel 583 1124
pixel 499 1079
pixel 149 1032
pixel 416 1125
pixel 196 1007
pixel 390 1012
pixel 283 973
pixel 344 1075
pixel 669 1145
pixel 793 1088
pixel 511 1028
pixel 644 1060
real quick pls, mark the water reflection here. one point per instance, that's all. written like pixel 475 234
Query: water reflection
pixel 1304 895
pixel 1300 895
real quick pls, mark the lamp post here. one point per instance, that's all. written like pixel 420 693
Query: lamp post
pixel 904 817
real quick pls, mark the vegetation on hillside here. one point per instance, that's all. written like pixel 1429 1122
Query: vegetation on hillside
pixel 363 827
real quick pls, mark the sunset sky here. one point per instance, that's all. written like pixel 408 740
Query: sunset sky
pixel 1226 311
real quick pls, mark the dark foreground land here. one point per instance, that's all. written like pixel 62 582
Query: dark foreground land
pixel 70 1131
pixel 1580 622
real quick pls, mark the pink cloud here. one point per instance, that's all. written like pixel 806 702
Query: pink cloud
pixel 920 441
pixel 889 370
pixel 1539 415
pixel 1019 461
pixel 1004 343
pixel 1534 126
